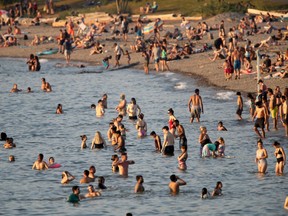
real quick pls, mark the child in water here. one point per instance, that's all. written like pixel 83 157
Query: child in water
pixel 221 147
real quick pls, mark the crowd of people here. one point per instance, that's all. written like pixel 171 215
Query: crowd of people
pixel 267 103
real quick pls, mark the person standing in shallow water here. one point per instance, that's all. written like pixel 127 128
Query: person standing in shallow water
pixel 175 184
pixel 261 155
pixel 195 106
pixel 261 118
pixel 280 157
pixel 239 105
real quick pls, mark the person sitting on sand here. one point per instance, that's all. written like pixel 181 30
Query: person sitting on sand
pixel 91 192
pixel 15 89
pixel 247 66
pixel 266 65
pixel 67 177
pixel 175 184
pixel 98 49
pixel 282 74
pixel 35 41
pixel 39 164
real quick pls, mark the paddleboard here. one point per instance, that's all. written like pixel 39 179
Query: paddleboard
pixel 48 52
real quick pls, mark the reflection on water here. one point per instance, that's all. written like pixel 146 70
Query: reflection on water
pixel 30 119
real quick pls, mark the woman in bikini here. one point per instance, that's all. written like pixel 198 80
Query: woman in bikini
pixel 261 155
pixel 182 158
pixel 280 157
pixel 98 141
pixel 141 126
pixel 171 120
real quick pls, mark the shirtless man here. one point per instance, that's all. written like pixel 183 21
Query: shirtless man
pixel 168 143
pixel 91 192
pixel 39 164
pixel 273 108
pixel 175 184
pixel 195 106
pixel 157 141
pixel 118 122
pixel 236 58
pixel 120 142
pixel 180 133
pixel 139 185
pixel 124 164
pixel 86 178
pixel 121 108
pixel 100 109
pixel 261 115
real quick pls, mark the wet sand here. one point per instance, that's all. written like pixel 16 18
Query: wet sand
pixel 197 65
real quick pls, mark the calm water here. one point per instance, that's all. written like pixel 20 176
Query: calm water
pixel 30 119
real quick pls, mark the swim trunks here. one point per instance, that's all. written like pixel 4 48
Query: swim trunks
pixel 156 60
pixel 169 150
pixel 118 57
pixel 105 64
pixel 259 123
pixel 237 65
pixel 274 112
pixel 195 111
pixel 239 111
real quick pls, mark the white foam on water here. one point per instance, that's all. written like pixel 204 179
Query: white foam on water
pixel 181 85
pixel 225 95
pixel 174 79
pixel 168 74
pixel 43 60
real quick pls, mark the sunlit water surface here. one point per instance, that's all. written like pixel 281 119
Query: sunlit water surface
pixel 31 120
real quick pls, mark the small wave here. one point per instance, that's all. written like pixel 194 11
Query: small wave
pixel 180 85
pixel 225 95
pixel 43 60
pixel 174 79
pixel 168 74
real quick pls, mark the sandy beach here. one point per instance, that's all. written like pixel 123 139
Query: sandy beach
pixel 197 65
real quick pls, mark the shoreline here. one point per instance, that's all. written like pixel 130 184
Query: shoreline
pixel 198 66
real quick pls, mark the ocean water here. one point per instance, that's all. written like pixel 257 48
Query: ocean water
pixel 31 120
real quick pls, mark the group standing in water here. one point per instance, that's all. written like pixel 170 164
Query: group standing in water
pixel 173 130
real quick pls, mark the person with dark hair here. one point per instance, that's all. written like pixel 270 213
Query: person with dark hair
pixel 157 141
pixel 3 136
pixel 261 117
pixel 105 62
pixel 31 62
pixel 273 107
pixel 218 189
pixel 280 157
pixel 101 183
pixel 163 58
pixel 261 155
pixel 239 105
pixel 168 142
pixel 195 106
pixel 205 194
pixel 175 184
pixel 221 127
pixel 86 178
pixel 39 164
pixel 180 133
pixel 139 185
pixel 252 106
pixel 92 192
pixel 100 111
pixel 171 120
pixel 182 158
pixel 124 164
pixel 115 160
pixel 141 126
pixel 59 109
pixel 75 196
